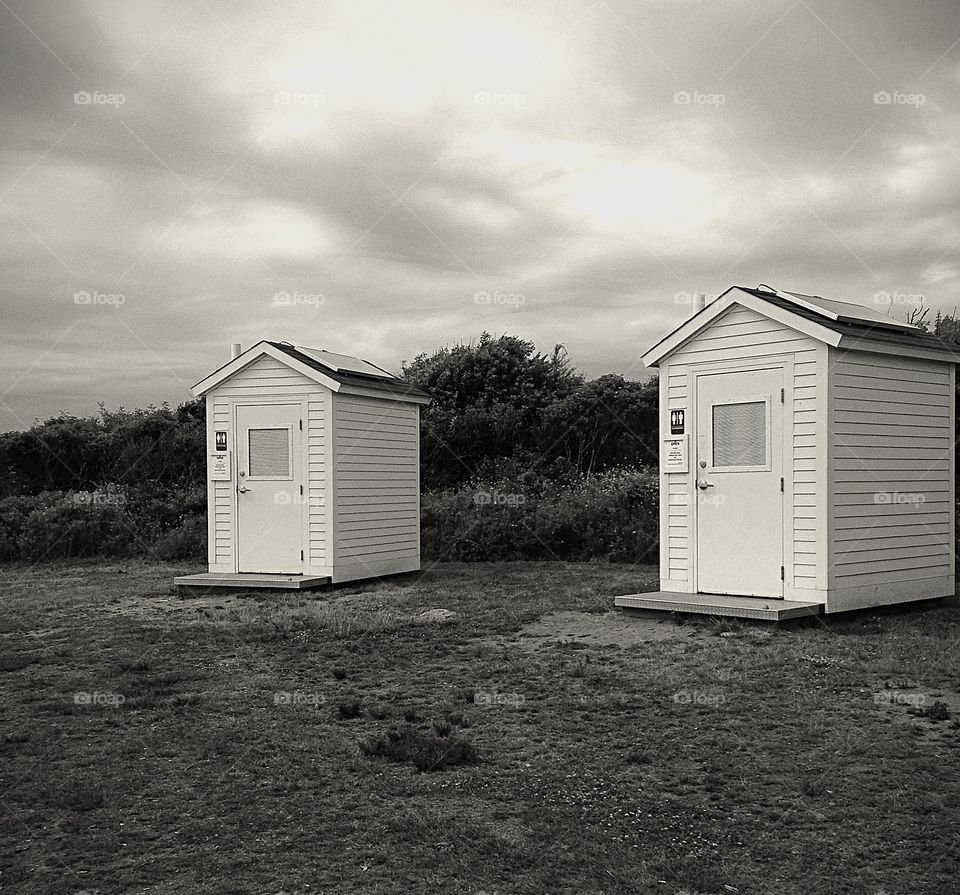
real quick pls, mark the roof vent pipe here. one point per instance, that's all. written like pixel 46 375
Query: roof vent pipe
pixel 699 302
pixel 235 350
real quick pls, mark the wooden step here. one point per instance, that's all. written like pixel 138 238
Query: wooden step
pixel 726 605
pixel 248 580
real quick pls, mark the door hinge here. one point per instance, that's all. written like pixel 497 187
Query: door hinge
pixel 301 554
pixel 781 573
pixel 781 484
pixel 781 395
pixel 301 425
pixel 781 487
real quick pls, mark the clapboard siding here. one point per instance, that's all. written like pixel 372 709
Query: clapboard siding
pixel 316 486
pixel 270 381
pixel 891 442
pixel 220 494
pixel 268 378
pixel 742 334
pixel 376 480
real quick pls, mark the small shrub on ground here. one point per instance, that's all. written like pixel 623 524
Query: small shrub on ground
pixel 442 728
pixel 936 712
pixel 426 750
pixel 349 709
pixel 79 794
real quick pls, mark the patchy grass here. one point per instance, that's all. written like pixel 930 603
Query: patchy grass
pixel 153 743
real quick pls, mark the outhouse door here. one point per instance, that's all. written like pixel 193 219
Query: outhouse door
pixel 738 483
pixel 269 504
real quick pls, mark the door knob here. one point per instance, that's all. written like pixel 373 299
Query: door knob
pixel 241 489
pixel 703 485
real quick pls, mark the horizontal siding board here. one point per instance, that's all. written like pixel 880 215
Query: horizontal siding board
pixel 376 473
pixel 893 496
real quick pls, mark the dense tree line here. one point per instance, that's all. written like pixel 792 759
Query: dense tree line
pixel 502 408
pixel 153 448
pixel 499 406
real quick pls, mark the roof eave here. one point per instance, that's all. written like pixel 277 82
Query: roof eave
pixel 690 328
pixel 900 349
pixel 253 353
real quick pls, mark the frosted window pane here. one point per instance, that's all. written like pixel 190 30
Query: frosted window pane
pixel 740 434
pixel 269 454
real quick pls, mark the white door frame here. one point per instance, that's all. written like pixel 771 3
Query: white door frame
pixel 784 363
pixel 302 406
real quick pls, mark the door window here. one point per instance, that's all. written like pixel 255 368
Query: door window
pixel 268 453
pixel 740 435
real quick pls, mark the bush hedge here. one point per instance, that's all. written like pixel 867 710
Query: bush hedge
pixel 112 522
pixel 609 516
pixel 612 516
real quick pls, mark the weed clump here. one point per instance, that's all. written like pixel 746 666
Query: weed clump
pixel 349 709
pixel 426 750
pixel 78 794
pixel 936 712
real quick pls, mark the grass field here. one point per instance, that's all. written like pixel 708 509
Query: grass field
pixel 165 745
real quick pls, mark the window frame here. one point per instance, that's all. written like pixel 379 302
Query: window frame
pixel 270 478
pixel 768 432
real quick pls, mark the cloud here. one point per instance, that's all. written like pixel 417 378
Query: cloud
pixel 397 159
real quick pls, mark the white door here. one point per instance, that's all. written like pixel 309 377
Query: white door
pixel 738 474
pixel 269 506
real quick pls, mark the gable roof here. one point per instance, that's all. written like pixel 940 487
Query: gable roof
pixel 328 369
pixel 839 324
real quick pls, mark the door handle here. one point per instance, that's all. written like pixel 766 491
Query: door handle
pixel 703 485
pixel 242 489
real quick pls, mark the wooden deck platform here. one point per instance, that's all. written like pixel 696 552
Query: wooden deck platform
pixel 248 580
pixel 719 604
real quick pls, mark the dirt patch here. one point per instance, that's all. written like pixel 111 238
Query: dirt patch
pixel 600 629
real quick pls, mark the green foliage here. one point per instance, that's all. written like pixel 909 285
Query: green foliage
pixel 499 405
pixel 604 423
pixel 612 516
pixel 157 446
pixel 489 399
pixel 117 522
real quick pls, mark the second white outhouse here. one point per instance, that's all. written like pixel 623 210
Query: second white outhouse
pixel 807 459
pixel 313 469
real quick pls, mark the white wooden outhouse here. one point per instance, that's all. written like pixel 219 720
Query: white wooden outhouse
pixel 313 469
pixel 807 459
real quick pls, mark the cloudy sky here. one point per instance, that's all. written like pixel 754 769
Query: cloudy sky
pixel 384 178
